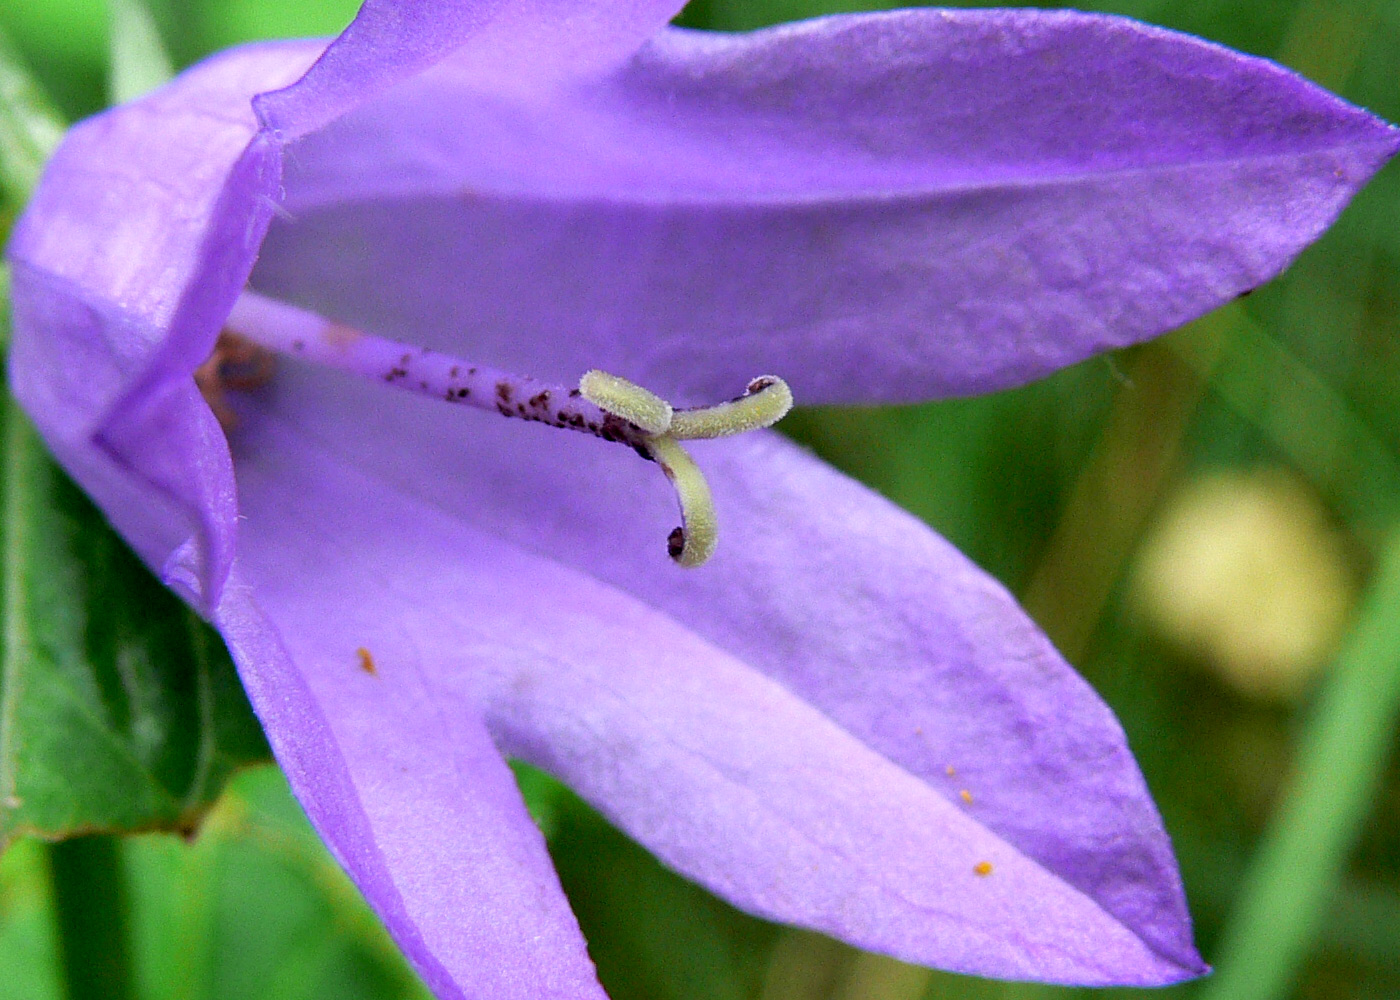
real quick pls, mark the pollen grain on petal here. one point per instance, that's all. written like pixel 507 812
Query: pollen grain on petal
pixel 366 661
pixel 982 868
pixel 965 795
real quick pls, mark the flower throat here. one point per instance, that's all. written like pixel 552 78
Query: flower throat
pixel 603 405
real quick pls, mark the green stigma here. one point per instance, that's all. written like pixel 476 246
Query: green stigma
pixel 766 401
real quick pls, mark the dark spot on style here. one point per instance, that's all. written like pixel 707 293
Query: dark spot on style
pixel 454 371
pixel 675 543
pixel 616 429
pixel 540 399
pixel 575 393
pixel 422 385
pixel 463 393
pixel 503 391
pixel 405 359
pixel 471 371
pixel 641 449
pixel 298 345
pixel 504 410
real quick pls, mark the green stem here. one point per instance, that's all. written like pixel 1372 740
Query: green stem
pixel 90 899
pixel 1340 764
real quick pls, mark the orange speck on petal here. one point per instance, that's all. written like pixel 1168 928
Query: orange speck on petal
pixel 951 771
pixel 966 796
pixel 983 868
pixel 366 661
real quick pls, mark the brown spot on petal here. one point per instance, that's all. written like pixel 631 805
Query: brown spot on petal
pixel 366 661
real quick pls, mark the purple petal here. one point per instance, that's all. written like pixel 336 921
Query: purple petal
pixel 415 802
pixel 514 41
pixel 726 775
pixel 878 207
pixel 851 604
pixel 126 261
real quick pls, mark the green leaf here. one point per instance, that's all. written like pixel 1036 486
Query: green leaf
pixel 256 907
pixel 29 127
pixel 119 709
pixel 138 60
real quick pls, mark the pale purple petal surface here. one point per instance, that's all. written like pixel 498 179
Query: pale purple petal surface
pixel 726 775
pixel 513 42
pixel 884 207
pixel 847 601
pixel 879 207
pixel 128 257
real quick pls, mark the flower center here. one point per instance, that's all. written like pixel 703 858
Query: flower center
pixel 603 405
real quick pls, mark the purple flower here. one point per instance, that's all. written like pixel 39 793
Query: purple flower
pixel 838 721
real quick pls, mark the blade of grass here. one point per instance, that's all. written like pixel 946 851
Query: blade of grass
pixel 90 903
pixel 1344 751
pixel 29 127
pixel 138 60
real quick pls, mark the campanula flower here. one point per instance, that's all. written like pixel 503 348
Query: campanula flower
pixel 271 317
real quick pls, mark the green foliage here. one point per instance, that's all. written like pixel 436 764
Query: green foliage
pixel 1339 771
pixel 253 907
pixel 29 128
pixel 119 709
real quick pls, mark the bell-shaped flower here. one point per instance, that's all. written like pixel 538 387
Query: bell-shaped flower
pixel 837 720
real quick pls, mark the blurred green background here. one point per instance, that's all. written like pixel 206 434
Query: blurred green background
pixel 1200 523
